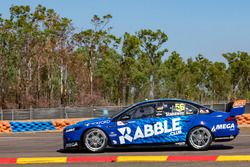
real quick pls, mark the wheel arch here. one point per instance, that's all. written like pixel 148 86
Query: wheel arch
pixel 200 126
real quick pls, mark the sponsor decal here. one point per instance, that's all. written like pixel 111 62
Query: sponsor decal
pixel 174 114
pixel 120 123
pixel 223 126
pixel 180 107
pixel 149 130
pixel 112 134
pixel 103 122
pixel 159 114
pixel 98 123
pixel 180 143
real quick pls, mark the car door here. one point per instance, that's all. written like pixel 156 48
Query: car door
pixel 177 118
pixel 134 126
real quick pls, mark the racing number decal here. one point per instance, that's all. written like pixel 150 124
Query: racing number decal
pixel 179 107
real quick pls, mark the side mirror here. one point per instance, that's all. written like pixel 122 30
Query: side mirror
pixel 125 117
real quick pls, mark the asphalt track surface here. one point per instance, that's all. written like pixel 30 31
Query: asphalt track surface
pixel 50 145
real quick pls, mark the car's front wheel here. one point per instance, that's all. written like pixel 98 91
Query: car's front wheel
pixel 199 138
pixel 95 140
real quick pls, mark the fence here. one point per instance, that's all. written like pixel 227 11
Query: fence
pixel 56 113
pixel 73 112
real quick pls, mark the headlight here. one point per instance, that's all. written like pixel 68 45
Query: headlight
pixel 71 129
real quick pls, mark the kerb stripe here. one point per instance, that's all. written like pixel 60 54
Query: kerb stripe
pixel 7 160
pixel 92 159
pixel 233 158
pixel 192 158
pixel 41 160
pixel 141 159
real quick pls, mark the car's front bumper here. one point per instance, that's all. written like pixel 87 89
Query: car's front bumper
pixel 72 139
pixel 72 145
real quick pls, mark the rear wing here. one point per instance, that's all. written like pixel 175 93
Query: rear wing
pixel 238 108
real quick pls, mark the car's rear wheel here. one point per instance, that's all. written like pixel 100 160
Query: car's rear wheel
pixel 95 140
pixel 199 138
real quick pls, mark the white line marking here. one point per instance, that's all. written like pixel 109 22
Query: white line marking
pixel 244 135
pixel 20 137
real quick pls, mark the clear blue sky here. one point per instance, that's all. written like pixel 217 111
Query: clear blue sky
pixel 210 27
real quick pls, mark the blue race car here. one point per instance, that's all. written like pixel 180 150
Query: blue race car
pixel 162 121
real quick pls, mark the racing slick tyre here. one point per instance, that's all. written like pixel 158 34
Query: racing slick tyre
pixel 199 138
pixel 95 140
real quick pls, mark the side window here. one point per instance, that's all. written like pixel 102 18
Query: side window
pixel 159 110
pixel 178 108
pixel 204 111
pixel 128 113
pixel 145 111
pixel 189 109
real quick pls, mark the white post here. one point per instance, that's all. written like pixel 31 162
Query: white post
pixel 1 110
pixel 31 112
pixel 12 115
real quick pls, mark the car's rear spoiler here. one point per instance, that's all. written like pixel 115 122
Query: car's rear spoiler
pixel 236 108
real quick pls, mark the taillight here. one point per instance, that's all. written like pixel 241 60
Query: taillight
pixel 230 119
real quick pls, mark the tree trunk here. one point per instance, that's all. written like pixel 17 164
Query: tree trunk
pixel 63 81
pixel 28 82
pixel 2 102
pixel 18 89
pixel 123 86
pixel 127 94
pixel 38 84
pixel 91 82
pixel 61 85
pixel 91 72
pixel 49 85
pixel 65 86
pixel 152 86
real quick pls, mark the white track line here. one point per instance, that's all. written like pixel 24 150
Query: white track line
pixel 20 137
pixel 244 135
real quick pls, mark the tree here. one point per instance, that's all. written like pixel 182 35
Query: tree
pixel 36 34
pixel 239 71
pixel 93 43
pixel 45 62
pixel 151 45
pixel 109 73
pixel 219 80
pixel 139 78
pixel 130 51
pixel 200 71
pixel 177 78
pixel 8 60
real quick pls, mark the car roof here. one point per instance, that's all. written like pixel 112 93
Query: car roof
pixel 167 99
